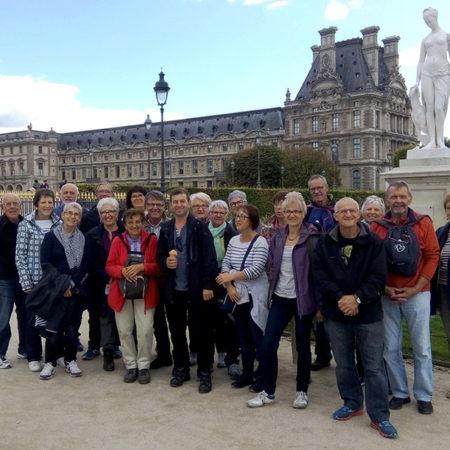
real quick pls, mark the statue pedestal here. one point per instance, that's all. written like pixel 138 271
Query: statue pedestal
pixel 427 171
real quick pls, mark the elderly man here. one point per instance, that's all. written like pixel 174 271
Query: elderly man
pixel 349 266
pixel 68 193
pixel 91 218
pixel 10 291
pixel 407 295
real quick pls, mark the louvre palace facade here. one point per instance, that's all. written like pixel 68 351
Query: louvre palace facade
pixel 353 104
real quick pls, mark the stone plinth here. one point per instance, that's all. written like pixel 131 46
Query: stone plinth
pixel 427 171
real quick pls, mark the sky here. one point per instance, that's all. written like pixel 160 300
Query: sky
pixel 93 63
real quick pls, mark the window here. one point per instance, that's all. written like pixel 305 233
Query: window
pixel 210 165
pixel 356 104
pixel 209 183
pixel 20 149
pixel 83 173
pixel 95 172
pixel 315 145
pixel 377 149
pixel 117 171
pixel 41 169
pixel 11 150
pixel 22 169
pixel 154 153
pixel 335 151
pixel 73 159
pixel 154 169
pixel 129 171
pixel 141 154
pixel 106 157
pixel 356 119
pixel 356 179
pixel 274 143
pixel 141 170
pixel 195 150
pixel 315 109
pixel 296 127
pixel 40 149
pixel 356 148
pixel 225 147
pixel 117 156
pixel 181 167
pixel 335 122
pixel 74 174
pixel 3 170
pixel 63 175
pixel 129 155
pixel 315 124
pixel 377 119
pixel 241 146
pixel 210 148
pixel 181 151
pixel 167 167
pixel 194 166
pixel 105 171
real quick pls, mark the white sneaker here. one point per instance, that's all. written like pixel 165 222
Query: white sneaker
pixel 47 371
pixel 60 362
pixel 73 369
pixel 21 356
pixel 263 398
pixel 34 366
pixel 4 363
pixel 301 400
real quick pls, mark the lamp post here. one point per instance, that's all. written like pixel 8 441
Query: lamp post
pixel 148 125
pixel 282 176
pixel 162 91
pixel 258 145
pixel 233 165
pixel 91 154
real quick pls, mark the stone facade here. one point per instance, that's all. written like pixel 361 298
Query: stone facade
pixel 353 104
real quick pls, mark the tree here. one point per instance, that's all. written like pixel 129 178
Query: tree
pixel 400 153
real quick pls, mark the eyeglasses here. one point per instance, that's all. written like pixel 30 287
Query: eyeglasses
pixel 219 213
pixel 110 212
pixel 241 217
pixel 155 205
pixel 240 202
pixel 72 214
pixel 9 204
pixel 313 189
pixel 347 211
pixel 295 212
pixel 200 206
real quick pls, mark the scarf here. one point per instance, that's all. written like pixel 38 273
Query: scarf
pixel 73 245
pixel 219 244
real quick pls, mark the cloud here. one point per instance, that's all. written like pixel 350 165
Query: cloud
pixel 355 4
pixel 255 2
pixel 27 99
pixel 277 4
pixel 336 11
pixel 410 56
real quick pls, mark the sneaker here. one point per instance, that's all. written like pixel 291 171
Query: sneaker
pixel 144 376
pixel 345 413
pixel 193 358
pixel 130 376
pixel 61 363
pixel 73 369
pixel 263 398
pixel 385 428
pixel 4 363
pixel 90 354
pixel 301 400
pixel 234 372
pixel 22 355
pixel 34 366
pixel 47 371
pixel 221 362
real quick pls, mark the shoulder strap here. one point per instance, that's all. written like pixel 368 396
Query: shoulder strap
pixel 309 247
pixel 248 251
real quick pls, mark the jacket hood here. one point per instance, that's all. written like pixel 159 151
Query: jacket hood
pixel 362 238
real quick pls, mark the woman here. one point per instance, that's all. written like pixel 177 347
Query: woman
pixel 100 240
pixel 292 295
pixel 65 251
pixel 244 276
pixel 372 208
pixel 440 284
pixel 136 198
pixel 30 235
pixel 200 203
pixel 137 313
pixel 433 72
pixel 275 221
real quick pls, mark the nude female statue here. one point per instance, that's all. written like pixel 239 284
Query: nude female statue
pixel 433 72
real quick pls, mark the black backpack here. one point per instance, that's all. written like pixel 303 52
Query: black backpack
pixel 402 246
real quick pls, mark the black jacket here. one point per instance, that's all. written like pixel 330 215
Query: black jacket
pixel 202 262
pixel 365 275
pixel 442 235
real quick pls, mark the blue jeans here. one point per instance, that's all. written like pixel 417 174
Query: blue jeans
pixel 369 337
pixel 10 293
pixel 416 311
pixel 280 313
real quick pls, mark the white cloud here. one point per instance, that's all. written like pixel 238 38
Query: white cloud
pixel 336 11
pixel 355 4
pixel 26 99
pixel 410 56
pixel 277 4
pixel 255 2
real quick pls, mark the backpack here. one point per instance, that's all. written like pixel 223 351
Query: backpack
pixel 402 246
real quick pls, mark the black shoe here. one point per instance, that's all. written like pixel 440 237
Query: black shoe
pixel 319 365
pixel 108 360
pixel 424 407
pixel 80 347
pixel 257 386
pixel 161 362
pixel 144 376
pixel 130 376
pixel 205 385
pixel 397 402
pixel 179 377
pixel 242 381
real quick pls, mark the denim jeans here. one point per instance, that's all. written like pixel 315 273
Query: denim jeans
pixel 10 293
pixel 369 337
pixel 280 313
pixel 416 311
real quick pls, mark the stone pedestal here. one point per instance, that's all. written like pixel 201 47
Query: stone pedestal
pixel 427 171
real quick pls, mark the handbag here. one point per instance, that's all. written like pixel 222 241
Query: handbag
pixel 223 299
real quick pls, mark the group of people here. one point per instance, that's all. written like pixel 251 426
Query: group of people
pixel 349 274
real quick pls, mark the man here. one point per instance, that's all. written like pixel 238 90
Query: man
pixel 10 291
pixel 91 218
pixel 408 296
pixel 187 256
pixel 155 205
pixel 320 213
pixel 349 266
pixel 68 193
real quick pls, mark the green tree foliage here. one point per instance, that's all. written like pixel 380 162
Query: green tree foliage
pixel 400 153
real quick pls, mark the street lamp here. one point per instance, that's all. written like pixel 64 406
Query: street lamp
pixel 162 91
pixel 282 176
pixel 91 155
pixel 258 145
pixel 148 125
pixel 233 165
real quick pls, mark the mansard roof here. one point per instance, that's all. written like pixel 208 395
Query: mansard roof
pixel 26 135
pixel 270 119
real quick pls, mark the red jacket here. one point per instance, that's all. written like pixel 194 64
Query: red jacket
pixel 116 262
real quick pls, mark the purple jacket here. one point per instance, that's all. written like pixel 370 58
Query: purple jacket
pixel 306 297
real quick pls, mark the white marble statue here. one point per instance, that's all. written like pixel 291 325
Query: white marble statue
pixel 433 75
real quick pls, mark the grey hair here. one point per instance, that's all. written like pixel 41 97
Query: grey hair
pixel 294 198
pixel 336 207
pixel 398 185
pixel 76 205
pixel 239 194
pixel 157 195
pixel 110 201
pixel 318 177
pixel 69 184
pixel 104 183
pixel 201 196
pixel 373 199
pixel 218 204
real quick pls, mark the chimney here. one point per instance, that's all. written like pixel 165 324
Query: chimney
pixel 370 50
pixel 327 49
pixel 315 51
pixel 391 52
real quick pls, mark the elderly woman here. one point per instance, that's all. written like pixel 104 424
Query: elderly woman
pixel 200 205
pixel 100 240
pixel 372 208
pixel 134 313
pixel 30 235
pixel 136 198
pixel 66 251
pixel 244 276
pixel 291 295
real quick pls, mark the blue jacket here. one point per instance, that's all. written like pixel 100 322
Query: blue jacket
pixel 321 216
pixel 306 296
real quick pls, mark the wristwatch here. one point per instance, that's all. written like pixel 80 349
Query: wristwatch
pixel 358 300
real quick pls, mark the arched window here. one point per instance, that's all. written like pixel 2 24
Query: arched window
pixel 356 179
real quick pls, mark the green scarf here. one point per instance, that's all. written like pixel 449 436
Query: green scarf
pixel 219 244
